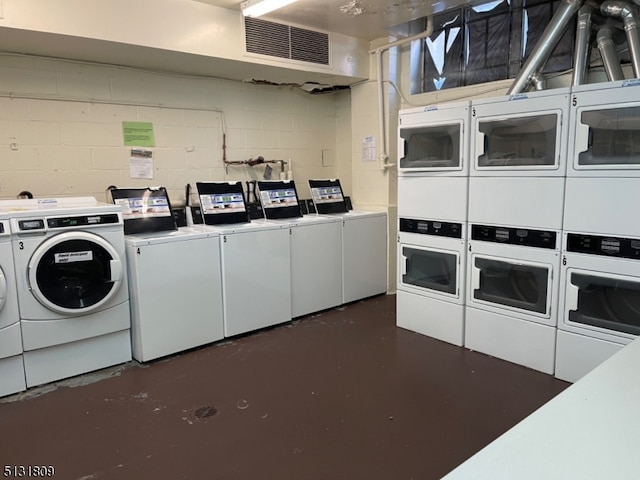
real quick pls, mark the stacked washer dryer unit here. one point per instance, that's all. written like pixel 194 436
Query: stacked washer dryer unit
pixel 70 269
pixel 600 281
pixel 11 363
pixel 432 220
pixel 516 192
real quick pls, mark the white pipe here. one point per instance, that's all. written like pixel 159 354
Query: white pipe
pixel 384 154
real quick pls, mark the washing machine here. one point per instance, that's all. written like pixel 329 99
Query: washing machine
pixel 70 268
pixel 175 286
pixel 431 278
pixel 512 294
pixel 255 260
pixel 11 363
pixel 316 248
pixel 604 168
pixel 518 159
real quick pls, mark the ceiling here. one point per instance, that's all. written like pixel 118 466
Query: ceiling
pixel 366 19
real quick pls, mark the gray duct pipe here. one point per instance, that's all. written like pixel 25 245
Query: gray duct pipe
pixel 546 44
pixel 608 53
pixel 616 8
pixel 582 50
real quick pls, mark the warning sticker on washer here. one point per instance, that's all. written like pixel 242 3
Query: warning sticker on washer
pixel 70 257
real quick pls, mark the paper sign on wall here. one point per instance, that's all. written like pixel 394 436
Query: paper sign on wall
pixel 138 134
pixel 141 163
pixel 369 148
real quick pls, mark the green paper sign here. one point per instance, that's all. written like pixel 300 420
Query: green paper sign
pixel 138 134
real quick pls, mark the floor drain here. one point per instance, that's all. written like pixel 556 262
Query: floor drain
pixel 205 412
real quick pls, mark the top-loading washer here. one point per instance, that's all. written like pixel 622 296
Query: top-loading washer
pixel 316 248
pixel 604 159
pixel 11 363
pixel 364 241
pixel 518 159
pixel 73 297
pixel 255 260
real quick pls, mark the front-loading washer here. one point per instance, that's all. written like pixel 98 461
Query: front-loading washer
pixel 431 279
pixel 512 294
pixel 70 267
pixel 11 362
pixel 599 309
pixel 175 287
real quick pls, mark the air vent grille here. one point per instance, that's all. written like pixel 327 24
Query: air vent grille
pixel 284 41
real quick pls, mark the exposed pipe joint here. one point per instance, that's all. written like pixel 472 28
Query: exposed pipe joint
pixel 619 9
pixel 582 51
pixel 539 81
pixel 608 53
pixel 545 45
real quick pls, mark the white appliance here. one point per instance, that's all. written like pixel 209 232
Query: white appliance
pixel 11 363
pixel 600 301
pixel 316 264
pixel 434 162
pixel 604 167
pixel 431 278
pixel 512 294
pixel 175 289
pixel 518 159
pixel 434 140
pixel 256 275
pixel 73 296
pixel 364 254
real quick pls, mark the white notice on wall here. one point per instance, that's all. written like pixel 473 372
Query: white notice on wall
pixel 369 148
pixel 141 163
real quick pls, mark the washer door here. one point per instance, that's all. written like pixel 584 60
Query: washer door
pixel 74 273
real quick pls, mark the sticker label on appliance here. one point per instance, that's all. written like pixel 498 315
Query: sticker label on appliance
pixel 327 194
pixel 222 203
pixel 144 207
pixel 279 198
pixel 70 257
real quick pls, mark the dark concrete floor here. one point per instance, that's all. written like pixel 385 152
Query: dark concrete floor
pixel 340 395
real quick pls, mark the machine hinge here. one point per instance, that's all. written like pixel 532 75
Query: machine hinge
pixel 138 250
pixel 224 238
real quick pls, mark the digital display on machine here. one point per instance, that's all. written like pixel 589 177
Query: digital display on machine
pixel 327 196
pixel 1 227
pixel 430 227
pixel 75 221
pixel 514 236
pixel 605 246
pixel 144 210
pixel 31 224
pixel 222 203
pixel 279 199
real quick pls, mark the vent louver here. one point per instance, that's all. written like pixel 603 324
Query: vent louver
pixel 284 41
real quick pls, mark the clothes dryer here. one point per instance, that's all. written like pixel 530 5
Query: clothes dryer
pixel 600 301
pixel 175 286
pixel 431 278
pixel 518 159
pixel 73 297
pixel 604 152
pixel 11 363
pixel 512 294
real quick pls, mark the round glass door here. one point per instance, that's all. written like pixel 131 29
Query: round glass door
pixel 74 272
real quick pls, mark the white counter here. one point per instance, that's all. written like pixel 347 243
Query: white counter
pixel 589 431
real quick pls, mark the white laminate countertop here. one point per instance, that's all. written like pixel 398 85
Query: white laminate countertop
pixel 589 431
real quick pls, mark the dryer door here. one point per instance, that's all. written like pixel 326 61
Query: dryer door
pixel 74 272
pixel 3 288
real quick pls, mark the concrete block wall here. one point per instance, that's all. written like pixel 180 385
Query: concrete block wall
pixel 61 128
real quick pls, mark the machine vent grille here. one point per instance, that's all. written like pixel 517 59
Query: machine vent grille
pixel 284 41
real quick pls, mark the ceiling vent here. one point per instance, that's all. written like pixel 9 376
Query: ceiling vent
pixel 286 42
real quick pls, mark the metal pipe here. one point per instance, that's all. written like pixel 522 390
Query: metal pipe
pixel 618 9
pixel 539 81
pixel 582 50
pixel 546 44
pixel 608 53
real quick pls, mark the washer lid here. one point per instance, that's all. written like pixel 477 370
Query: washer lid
pixel 74 272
